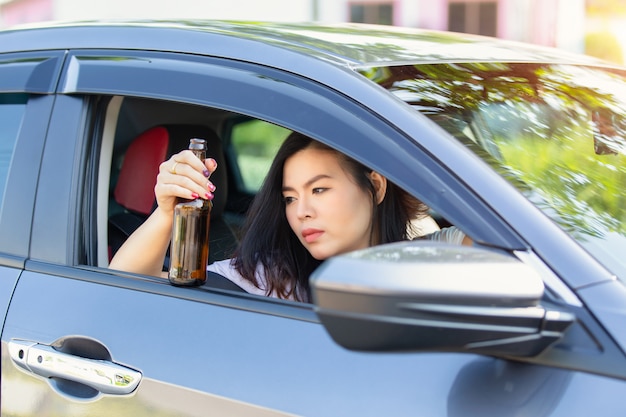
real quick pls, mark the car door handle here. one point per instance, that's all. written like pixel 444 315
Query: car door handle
pixel 104 376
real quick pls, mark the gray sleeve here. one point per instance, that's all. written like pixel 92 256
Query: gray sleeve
pixel 449 235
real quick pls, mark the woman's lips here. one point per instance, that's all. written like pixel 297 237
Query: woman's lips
pixel 311 235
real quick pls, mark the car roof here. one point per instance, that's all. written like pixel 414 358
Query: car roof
pixel 346 44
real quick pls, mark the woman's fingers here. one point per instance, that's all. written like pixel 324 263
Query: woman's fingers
pixel 184 175
pixel 211 166
pixel 180 162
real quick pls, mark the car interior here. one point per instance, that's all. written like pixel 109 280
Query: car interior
pixel 139 134
pixel 133 197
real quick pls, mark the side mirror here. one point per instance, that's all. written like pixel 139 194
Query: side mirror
pixel 422 295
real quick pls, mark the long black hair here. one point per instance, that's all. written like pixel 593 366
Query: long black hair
pixel 270 246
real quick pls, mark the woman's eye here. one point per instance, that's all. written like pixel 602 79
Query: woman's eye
pixel 288 200
pixel 319 190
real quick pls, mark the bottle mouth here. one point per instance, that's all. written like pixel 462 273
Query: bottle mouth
pixel 197 144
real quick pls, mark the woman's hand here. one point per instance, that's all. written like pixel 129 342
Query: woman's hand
pixel 185 176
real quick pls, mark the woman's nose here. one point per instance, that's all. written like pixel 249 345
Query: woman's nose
pixel 304 209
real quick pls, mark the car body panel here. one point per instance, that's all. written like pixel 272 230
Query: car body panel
pixel 32 72
pixel 54 220
pixel 8 280
pixel 17 205
pixel 246 361
pixel 606 301
pixel 343 44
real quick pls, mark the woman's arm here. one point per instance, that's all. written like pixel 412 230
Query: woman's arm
pixel 181 176
pixel 144 250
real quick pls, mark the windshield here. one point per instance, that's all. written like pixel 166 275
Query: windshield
pixel 556 132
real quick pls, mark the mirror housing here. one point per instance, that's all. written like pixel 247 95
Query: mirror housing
pixel 429 296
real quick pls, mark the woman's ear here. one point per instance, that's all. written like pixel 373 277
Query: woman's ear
pixel 380 186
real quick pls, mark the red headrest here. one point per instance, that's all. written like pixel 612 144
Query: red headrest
pixel 135 186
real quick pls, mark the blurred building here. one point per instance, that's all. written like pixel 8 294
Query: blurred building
pixel 557 23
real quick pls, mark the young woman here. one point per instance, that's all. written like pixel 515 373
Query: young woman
pixel 315 203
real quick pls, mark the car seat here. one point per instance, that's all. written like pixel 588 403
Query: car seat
pixel 134 190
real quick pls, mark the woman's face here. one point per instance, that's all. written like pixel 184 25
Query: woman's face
pixel 325 208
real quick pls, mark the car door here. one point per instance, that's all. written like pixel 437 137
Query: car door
pixel 26 82
pixel 83 339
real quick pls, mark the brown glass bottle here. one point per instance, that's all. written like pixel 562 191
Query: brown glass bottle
pixel 189 249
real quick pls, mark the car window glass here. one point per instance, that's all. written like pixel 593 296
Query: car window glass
pixel 254 144
pixel 11 112
pixel 554 131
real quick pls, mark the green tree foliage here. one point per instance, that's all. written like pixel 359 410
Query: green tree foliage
pixel 556 132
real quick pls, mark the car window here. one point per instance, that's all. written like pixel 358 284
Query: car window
pixel 253 144
pixel 250 134
pixel 553 131
pixel 11 112
pixel 298 103
pixel 248 145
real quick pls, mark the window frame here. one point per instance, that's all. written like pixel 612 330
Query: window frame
pixel 296 103
pixel 35 74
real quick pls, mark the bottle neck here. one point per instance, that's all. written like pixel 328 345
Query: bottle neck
pixel 200 154
pixel 198 147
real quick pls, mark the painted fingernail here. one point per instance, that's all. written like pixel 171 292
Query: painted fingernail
pixel 211 186
pixel 206 173
pixel 209 196
pixel 195 195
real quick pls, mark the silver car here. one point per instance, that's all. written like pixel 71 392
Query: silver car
pixel 522 148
